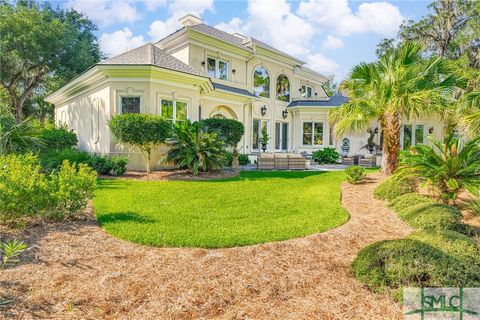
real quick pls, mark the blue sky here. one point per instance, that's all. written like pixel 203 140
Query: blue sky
pixel 330 35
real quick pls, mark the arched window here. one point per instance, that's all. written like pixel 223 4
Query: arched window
pixel 283 88
pixel 261 83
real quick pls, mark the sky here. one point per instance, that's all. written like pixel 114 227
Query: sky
pixel 330 35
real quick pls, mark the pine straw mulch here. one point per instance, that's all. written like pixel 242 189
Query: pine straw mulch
pixel 177 175
pixel 75 270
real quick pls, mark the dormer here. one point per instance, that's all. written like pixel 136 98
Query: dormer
pixel 190 20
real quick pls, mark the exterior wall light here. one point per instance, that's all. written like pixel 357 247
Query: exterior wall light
pixel 376 130
pixel 234 71
pixel 263 110
pixel 285 113
pixel 430 130
pixel 203 63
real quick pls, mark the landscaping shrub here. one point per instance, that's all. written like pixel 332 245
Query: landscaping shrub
pixel 408 200
pixel 355 174
pixel 26 191
pixel 423 259
pixel 195 149
pixel 325 155
pixel 70 189
pixel 396 186
pixel 58 138
pixel 434 216
pixel 144 131
pixel 229 131
pixel 22 186
pixel 105 165
pixel 243 159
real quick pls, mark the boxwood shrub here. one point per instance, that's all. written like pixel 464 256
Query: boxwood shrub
pixel 434 216
pixel 395 186
pixel 243 159
pixel 423 259
pixel 408 200
pixel 58 138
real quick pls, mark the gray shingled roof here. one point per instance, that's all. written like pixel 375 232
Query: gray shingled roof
pixel 334 101
pixel 150 54
pixel 223 87
pixel 219 34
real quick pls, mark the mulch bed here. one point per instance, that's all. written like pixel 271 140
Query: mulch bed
pixel 74 270
pixel 177 175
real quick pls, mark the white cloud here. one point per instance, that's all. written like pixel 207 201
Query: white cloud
pixel 322 64
pixel 106 12
pixel 332 42
pixel 380 17
pixel 273 22
pixel 153 5
pixel 177 9
pixel 119 41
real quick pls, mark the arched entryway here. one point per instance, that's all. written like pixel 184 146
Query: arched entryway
pixel 223 112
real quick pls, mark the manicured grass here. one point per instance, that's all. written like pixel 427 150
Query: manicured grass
pixel 254 208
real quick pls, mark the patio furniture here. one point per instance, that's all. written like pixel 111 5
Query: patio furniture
pixel 368 161
pixel 351 160
pixel 296 162
pixel 281 161
pixel 266 161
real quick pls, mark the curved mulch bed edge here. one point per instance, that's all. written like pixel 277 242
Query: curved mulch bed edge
pixel 176 175
pixel 75 270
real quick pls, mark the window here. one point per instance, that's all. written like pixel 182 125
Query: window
pixel 307 91
pixel 130 104
pixel 173 110
pixel 258 125
pixel 281 136
pixel 283 88
pixel 413 135
pixel 217 68
pixel 261 83
pixel 312 133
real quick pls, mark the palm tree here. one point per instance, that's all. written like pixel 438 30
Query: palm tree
pixel 469 110
pixel 18 137
pixel 399 86
pixel 447 166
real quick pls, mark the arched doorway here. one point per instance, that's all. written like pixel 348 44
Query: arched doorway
pixel 223 112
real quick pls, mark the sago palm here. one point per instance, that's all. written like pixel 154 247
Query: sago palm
pixel 400 86
pixel 18 137
pixel 446 166
pixel 195 149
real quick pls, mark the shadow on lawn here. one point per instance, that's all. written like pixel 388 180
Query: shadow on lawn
pixel 126 216
pixel 260 175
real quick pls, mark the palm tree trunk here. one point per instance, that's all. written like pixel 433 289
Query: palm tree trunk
pixel 391 143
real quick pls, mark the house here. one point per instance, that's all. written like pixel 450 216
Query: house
pixel 200 72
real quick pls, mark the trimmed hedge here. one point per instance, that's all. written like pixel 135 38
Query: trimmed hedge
pixel 423 259
pixel 395 186
pixel 58 138
pixel 408 200
pixel 434 216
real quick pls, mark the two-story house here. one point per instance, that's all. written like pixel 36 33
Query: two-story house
pixel 200 72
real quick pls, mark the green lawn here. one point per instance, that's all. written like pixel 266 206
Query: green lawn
pixel 254 208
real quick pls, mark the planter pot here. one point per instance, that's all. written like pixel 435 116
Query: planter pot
pixel 264 147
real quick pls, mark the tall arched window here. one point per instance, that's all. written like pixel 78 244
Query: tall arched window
pixel 283 88
pixel 261 82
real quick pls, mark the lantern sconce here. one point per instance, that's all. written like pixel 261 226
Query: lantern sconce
pixel 234 71
pixel 430 131
pixel 285 114
pixel 203 63
pixel 263 110
pixel 376 130
pixel 316 94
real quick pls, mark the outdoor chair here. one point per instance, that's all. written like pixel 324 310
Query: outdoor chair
pixel 281 161
pixel 266 161
pixel 368 161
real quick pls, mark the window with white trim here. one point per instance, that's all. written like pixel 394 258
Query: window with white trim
pixel 307 91
pixel 130 104
pixel 173 110
pixel 312 133
pixel 217 68
pixel 412 135
pixel 257 127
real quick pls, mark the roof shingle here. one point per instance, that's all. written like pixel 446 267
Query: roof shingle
pixel 223 87
pixel 334 101
pixel 150 54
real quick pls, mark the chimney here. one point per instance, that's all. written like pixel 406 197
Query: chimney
pixel 190 20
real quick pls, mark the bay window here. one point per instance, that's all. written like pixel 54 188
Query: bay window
pixel 312 133
pixel 173 110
